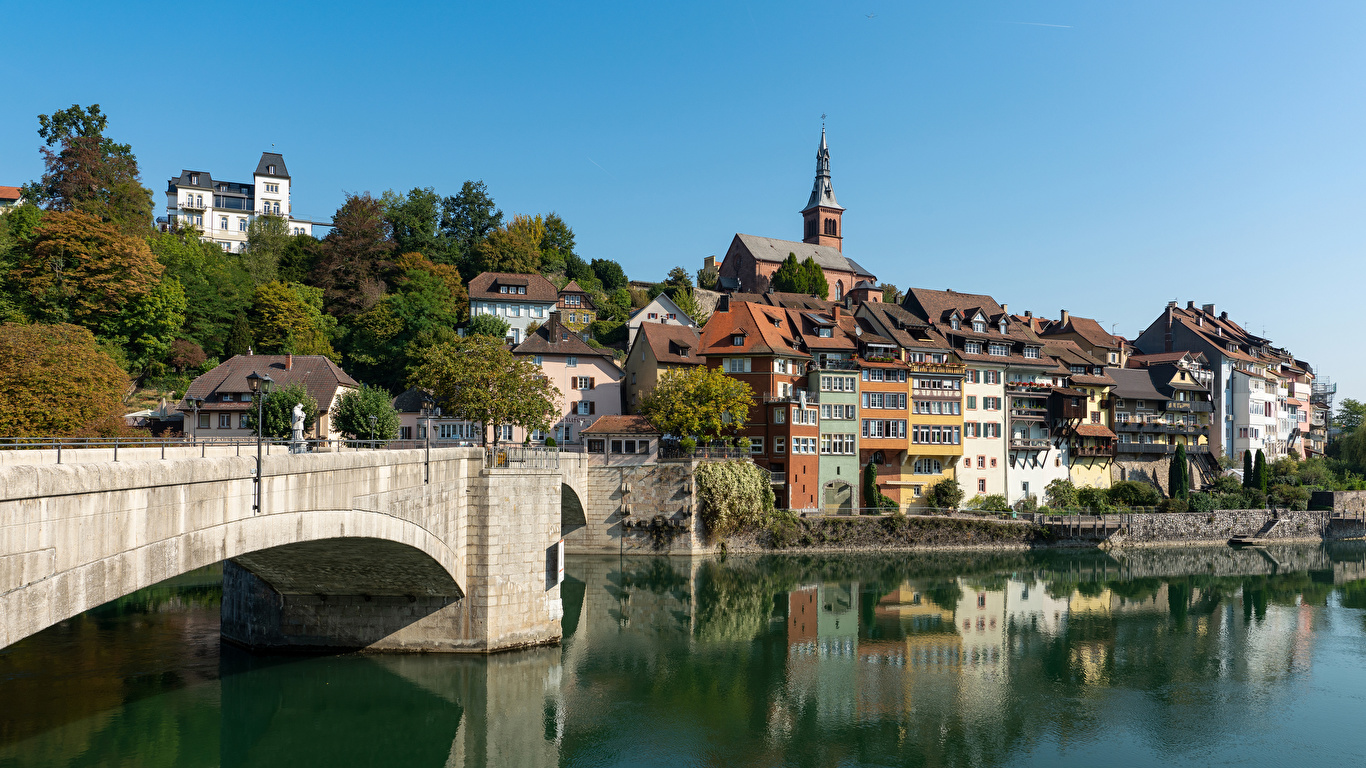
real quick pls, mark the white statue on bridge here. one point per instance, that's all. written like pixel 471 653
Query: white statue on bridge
pixel 298 423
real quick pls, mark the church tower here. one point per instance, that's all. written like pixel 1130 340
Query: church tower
pixel 821 216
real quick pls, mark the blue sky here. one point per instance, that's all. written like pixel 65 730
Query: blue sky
pixel 1101 157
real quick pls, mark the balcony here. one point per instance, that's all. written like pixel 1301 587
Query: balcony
pixel 776 477
pixel 1030 444
pixel 837 365
pixel 1028 388
pixel 1154 448
pixel 1101 451
pixel 795 398
pixel 1190 406
pixel 937 368
pixel 1029 414
pixel 192 206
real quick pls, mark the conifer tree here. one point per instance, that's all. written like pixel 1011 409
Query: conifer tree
pixel 1260 472
pixel 1178 475
pixel 1248 479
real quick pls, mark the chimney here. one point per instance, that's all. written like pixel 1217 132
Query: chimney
pixel 1171 305
pixel 289 362
pixel 1209 309
pixel 1030 313
pixel 723 303
pixel 1167 335
pixel 835 312
pixel 1005 308
pixel 709 262
pixel 1066 318
pixel 1222 315
pixel 1190 305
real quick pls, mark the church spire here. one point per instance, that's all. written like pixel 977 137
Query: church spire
pixel 822 214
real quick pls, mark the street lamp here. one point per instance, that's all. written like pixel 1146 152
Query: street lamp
pixel 429 411
pixel 373 419
pixel 195 403
pixel 260 387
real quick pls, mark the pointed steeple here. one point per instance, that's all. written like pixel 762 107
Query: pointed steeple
pixel 822 214
pixel 822 194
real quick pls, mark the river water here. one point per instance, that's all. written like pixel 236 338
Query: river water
pixel 1190 657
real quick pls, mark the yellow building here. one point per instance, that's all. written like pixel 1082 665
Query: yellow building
pixel 1091 436
pixel 576 307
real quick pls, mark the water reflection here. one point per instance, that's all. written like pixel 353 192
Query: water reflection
pixel 1156 657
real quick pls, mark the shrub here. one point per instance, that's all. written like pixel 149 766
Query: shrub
pixel 352 415
pixel 550 442
pixel 1096 499
pixel 1290 496
pixel 1228 484
pixel 1131 493
pixel 1173 506
pixel 687 444
pixel 945 494
pixel 1027 504
pixel 1201 502
pixel 1254 499
pixel 872 495
pixel 994 502
pixel 733 495
pixel 608 332
pixel 1060 493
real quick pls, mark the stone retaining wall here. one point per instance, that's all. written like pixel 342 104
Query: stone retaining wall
pixel 1353 502
pixel 1220 526
pixel 658 494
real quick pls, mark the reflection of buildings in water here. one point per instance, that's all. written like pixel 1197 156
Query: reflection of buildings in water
pixel 980 617
pixel 1030 607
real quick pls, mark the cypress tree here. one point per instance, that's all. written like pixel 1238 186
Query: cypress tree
pixel 790 277
pixel 1248 478
pixel 815 279
pixel 1178 475
pixel 872 495
pixel 1261 472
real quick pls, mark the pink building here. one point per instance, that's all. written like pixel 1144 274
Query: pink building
pixel 589 380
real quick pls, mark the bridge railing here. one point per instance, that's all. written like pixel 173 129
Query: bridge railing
pixel 521 457
pixel 60 449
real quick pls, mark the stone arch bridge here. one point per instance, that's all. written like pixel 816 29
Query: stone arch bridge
pixel 384 549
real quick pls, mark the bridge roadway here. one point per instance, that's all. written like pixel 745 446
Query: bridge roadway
pixel 366 549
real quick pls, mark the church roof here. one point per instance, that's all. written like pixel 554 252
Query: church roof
pixel 775 250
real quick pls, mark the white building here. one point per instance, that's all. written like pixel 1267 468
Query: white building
pixel 1256 416
pixel 10 197
pixel 223 210
pixel 661 309
pixel 522 301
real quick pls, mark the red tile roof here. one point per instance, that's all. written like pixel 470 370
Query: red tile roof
pixel 665 339
pixel 485 286
pixel 9 193
pixel 320 376
pixel 621 425
pixel 1095 430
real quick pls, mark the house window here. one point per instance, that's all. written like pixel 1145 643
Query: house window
pixel 999 350
pixel 779 445
pixel 981 485
pixel 203 421
pixel 672 316
pixel 756 446
pixel 242 421
pixel 225 421
pixel 597 446
pixel 779 415
pixel 979 326
pixel 737 341
pixel 583 382
pixel 653 316
pixel 1032 352
pixel 953 323
pixel 972 402
pixel 737 365
pixel 222 222
pixel 194 178
pixel 981 462
pixel 572 361
pixel 270 169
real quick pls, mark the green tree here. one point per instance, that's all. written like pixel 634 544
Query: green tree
pixel 267 239
pixel 610 274
pixel 789 278
pixel 289 319
pixel 1060 494
pixel 1131 493
pixel 415 221
pixel 217 288
pixel 515 248
pixel 352 413
pixel 945 494
pixel 557 244
pixel 355 258
pixel 1351 413
pixel 697 401
pixel 239 339
pixel 1178 475
pixel 891 295
pixel 478 379
pixel 89 172
pixel 1261 477
pixel 872 495
pixel 299 258
pixel 1094 499
pixel 56 380
pixel 687 301
pixel 492 326
pixel 467 219
pixel 277 411
pixel 1249 479
pixel 815 279
pixel 709 278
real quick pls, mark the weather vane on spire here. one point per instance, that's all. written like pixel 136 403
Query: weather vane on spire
pixel 822 119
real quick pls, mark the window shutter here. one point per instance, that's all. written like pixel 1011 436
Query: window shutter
pixel 592 382
pixel 592 407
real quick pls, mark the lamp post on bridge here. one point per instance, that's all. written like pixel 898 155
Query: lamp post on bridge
pixel 260 387
pixel 373 420
pixel 195 403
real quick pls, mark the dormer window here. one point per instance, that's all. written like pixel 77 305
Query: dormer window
pixel 270 169
pixel 979 326
pixel 1031 352
pixel 824 333
pixel 1003 326
pixel 954 324
pixel 737 340
pixel 999 350
pixel 973 348
pixel 1079 369
pixel 194 179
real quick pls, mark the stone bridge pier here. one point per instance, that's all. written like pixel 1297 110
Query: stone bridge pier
pixel 377 550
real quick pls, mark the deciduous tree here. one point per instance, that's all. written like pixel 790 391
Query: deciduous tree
pixel 415 220
pixel 90 173
pixel 289 319
pixel 267 239
pixel 55 379
pixel 479 380
pixel 515 248
pixel 492 326
pixel 351 416
pixel 467 218
pixel 1060 494
pixel 697 401
pixel 610 274
pixel 1351 413
pixel 356 257
pixel 217 288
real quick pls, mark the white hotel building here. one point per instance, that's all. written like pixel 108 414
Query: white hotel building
pixel 222 210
